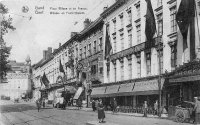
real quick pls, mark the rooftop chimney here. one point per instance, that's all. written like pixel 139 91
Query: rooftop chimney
pixel 44 54
pixel 59 44
pixel 49 52
pixel 104 8
pixel 54 50
pixel 73 34
pixel 86 23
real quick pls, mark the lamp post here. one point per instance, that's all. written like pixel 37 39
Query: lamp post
pixel 159 78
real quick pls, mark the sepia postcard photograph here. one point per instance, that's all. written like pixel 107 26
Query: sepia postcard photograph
pixel 93 62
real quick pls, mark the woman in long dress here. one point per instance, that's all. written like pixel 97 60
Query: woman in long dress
pixel 101 113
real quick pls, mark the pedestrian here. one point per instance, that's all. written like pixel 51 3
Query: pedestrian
pixel 43 102
pixel 145 108
pixel 101 113
pixel 64 104
pixel 38 104
pixel 93 106
pixel 114 105
pixel 79 103
pixel 197 110
pixel 156 108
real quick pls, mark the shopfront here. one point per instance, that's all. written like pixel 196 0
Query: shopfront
pixel 183 85
pixel 131 94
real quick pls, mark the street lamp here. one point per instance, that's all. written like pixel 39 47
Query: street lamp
pixel 18 91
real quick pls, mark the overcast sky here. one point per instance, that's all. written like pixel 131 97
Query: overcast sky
pixel 44 30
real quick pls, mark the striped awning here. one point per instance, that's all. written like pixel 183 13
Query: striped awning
pixel 78 93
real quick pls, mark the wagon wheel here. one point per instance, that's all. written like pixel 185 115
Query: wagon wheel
pixel 180 116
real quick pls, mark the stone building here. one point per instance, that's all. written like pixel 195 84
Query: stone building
pixel 91 55
pixel 131 73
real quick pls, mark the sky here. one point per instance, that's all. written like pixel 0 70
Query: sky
pixel 37 29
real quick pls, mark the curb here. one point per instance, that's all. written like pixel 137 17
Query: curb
pixel 122 114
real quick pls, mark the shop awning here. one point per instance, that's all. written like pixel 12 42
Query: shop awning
pixel 147 87
pixel 70 89
pixel 126 89
pixel 98 92
pixel 111 90
pixel 184 79
pixel 78 93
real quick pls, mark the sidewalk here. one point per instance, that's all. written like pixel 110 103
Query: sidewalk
pixel 163 116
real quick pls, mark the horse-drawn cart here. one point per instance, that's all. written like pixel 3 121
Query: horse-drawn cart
pixel 184 112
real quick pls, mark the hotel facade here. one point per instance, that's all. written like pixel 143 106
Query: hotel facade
pixel 133 72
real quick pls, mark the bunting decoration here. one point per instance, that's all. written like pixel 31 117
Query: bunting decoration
pixel 184 17
pixel 61 68
pixel 150 26
pixel 108 46
pixel 44 80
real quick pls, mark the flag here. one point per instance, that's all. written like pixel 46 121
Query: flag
pixel 184 17
pixel 61 68
pixel 150 26
pixel 108 46
pixel 44 80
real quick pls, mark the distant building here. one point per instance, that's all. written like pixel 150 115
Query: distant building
pixel 19 84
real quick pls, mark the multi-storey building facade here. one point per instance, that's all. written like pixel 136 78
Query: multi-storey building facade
pixel 132 71
pixel 91 55
pixel 50 66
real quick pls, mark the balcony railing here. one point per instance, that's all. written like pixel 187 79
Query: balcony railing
pixel 135 49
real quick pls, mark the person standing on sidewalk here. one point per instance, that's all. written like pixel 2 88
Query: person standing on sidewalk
pixel 93 106
pixel 101 113
pixel 114 105
pixel 145 108
pixel 156 107
pixel 197 110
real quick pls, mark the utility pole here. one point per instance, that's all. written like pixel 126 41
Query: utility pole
pixel 159 78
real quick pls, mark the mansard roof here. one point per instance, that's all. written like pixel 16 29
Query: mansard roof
pixel 112 8
pixel 91 27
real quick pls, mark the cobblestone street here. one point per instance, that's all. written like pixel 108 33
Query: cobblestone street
pixel 26 114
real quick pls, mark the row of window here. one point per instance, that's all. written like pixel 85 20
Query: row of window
pixel 88 50
pixel 130 68
pixel 138 26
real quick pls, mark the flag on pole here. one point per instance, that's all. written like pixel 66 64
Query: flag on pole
pixel 44 80
pixel 61 68
pixel 108 46
pixel 186 12
pixel 150 26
